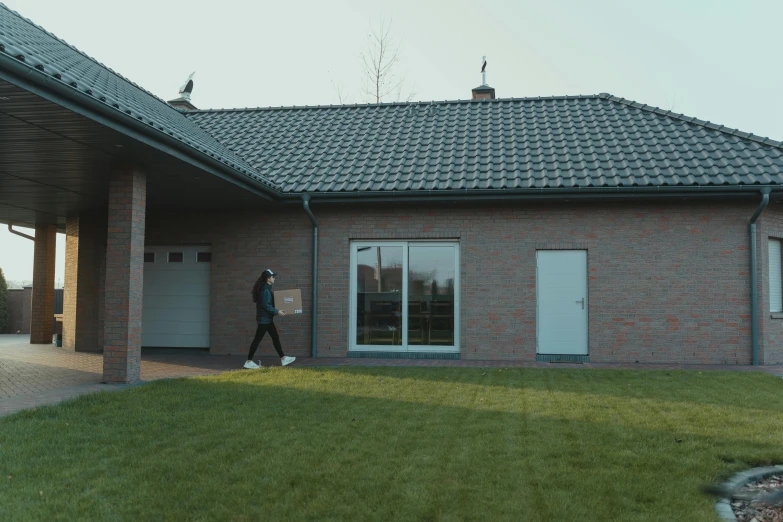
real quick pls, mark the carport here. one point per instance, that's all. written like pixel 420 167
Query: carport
pixel 85 152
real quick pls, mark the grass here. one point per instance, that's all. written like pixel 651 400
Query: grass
pixel 393 443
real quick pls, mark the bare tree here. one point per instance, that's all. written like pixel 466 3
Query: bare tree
pixel 673 103
pixel 379 64
pixel 341 96
pixel 339 91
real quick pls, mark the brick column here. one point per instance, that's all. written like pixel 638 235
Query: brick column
pixel 71 280
pixel 42 313
pixel 124 276
pixel 85 251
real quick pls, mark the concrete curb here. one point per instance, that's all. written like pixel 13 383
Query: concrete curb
pixel 723 506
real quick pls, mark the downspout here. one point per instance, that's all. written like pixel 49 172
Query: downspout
pixel 11 230
pixel 754 306
pixel 306 205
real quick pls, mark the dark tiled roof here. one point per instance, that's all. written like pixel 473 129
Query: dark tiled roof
pixel 542 143
pixel 34 46
pixel 581 141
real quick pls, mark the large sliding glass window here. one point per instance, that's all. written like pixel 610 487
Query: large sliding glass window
pixel 404 296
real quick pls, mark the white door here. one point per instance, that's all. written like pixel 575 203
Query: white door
pixel 561 285
pixel 176 297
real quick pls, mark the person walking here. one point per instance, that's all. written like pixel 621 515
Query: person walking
pixel 264 298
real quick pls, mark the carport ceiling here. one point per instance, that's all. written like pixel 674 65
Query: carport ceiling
pixel 55 163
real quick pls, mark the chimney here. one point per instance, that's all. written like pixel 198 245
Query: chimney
pixel 483 91
pixel 183 102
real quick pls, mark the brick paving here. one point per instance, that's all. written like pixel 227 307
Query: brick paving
pixel 34 375
pixel 37 374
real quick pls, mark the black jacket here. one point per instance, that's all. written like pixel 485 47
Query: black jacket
pixel 265 305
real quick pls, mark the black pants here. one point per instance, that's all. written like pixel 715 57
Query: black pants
pixel 260 332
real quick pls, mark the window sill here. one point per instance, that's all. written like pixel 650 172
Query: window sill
pixel 776 315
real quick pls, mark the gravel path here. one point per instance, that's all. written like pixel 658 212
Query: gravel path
pixel 756 512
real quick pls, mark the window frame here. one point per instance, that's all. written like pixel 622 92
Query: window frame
pixel 354 245
pixel 779 241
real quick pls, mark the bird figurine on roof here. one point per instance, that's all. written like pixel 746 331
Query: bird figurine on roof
pixel 187 87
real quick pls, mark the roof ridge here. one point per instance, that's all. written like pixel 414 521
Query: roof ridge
pixel 693 120
pixel 397 104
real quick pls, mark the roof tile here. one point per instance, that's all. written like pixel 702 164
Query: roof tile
pixel 591 141
pixel 558 141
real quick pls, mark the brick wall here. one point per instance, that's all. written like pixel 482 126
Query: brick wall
pixel 667 282
pixel 42 313
pixel 85 269
pixel 70 282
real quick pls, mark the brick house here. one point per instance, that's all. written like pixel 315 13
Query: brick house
pixel 582 228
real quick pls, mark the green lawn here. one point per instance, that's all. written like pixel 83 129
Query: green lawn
pixel 393 444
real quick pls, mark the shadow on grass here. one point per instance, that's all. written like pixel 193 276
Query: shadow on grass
pixel 305 444
pixel 746 390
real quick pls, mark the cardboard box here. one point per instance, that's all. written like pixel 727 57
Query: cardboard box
pixel 289 301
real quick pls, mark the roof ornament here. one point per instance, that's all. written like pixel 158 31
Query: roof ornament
pixel 187 87
pixel 483 70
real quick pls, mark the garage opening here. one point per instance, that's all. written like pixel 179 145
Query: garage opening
pixel 176 297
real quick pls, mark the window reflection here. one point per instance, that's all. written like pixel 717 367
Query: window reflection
pixel 379 296
pixel 431 295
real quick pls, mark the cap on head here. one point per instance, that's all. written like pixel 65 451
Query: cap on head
pixel 269 272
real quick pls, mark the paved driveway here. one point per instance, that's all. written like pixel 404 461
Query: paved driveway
pixel 36 374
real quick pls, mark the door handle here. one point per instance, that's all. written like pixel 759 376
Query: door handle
pixel 583 303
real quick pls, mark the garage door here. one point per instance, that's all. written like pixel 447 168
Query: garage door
pixel 176 297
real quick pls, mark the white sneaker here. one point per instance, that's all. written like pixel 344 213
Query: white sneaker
pixel 287 360
pixel 250 365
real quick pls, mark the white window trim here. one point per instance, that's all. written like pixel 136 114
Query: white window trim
pixel 775 266
pixel 352 346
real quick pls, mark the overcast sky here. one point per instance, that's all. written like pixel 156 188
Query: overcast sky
pixel 716 60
